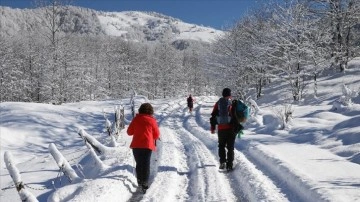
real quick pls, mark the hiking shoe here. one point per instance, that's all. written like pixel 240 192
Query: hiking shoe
pixel 222 166
pixel 229 166
pixel 144 187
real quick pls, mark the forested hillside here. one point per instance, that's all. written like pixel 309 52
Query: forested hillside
pixel 63 53
pixel 59 53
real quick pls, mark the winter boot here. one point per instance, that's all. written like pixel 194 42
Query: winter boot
pixel 144 187
pixel 229 166
pixel 222 166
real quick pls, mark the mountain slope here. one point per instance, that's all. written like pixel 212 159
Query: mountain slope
pixel 129 25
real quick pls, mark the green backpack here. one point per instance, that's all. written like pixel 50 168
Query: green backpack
pixel 240 111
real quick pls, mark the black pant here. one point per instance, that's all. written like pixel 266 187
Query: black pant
pixel 142 159
pixel 190 105
pixel 226 138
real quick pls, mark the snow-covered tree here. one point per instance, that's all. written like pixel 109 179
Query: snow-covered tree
pixel 230 59
pixel 291 44
pixel 341 17
pixel 255 42
pixel 166 66
pixel 5 69
pixel 194 73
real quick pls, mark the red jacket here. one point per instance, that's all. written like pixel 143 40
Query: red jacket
pixel 145 132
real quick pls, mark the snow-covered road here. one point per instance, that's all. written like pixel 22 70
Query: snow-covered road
pixel 184 167
pixel 207 183
pixel 268 168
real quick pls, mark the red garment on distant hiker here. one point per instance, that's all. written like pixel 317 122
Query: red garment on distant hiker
pixel 145 130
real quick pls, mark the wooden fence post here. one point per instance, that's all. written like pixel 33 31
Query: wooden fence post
pixel 24 194
pixel 63 164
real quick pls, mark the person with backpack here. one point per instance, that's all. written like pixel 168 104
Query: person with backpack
pixel 145 132
pixel 190 103
pixel 221 116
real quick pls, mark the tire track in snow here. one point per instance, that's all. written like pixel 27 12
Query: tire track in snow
pixel 170 170
pixel 246 180
pixel 202 180
pixel 169 164
pixel 208 184
pixel 294 186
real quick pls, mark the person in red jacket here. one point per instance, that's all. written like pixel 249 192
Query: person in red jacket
pixel 145 132
pixel 221 116
pixel 190 103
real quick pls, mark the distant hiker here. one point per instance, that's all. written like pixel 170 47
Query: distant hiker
pixel 145 132
pixel 190 103
pixel 221 116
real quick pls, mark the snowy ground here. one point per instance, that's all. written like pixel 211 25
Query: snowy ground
pixel 316 159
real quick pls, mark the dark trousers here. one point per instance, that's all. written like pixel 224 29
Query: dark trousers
pixel 226 139
pixel 142 159
pixel 190 105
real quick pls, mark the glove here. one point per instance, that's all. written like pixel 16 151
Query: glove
pixel 240 133
pixel 213 121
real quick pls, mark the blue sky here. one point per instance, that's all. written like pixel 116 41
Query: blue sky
pixel 214 13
